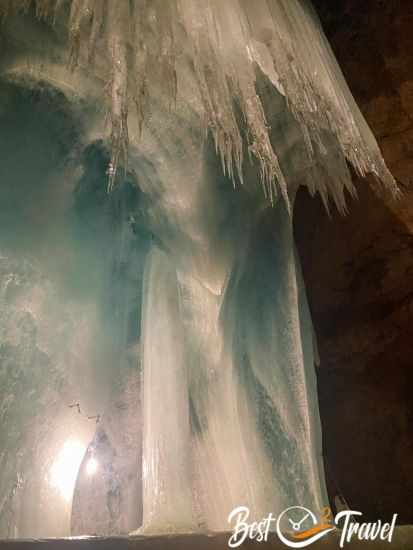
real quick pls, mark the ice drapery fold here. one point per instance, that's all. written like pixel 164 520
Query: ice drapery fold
pixel 230 398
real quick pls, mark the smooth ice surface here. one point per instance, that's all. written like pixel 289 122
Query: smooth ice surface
pixel 172 310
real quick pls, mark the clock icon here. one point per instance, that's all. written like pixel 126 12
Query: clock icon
pixel 298 527
pixel 298 518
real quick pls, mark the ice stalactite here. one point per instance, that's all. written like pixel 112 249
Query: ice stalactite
pixel 118 30
pixel 224 43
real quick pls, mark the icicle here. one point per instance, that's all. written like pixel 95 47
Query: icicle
pixel 138 74
pixel 166 16
pixel 225 42
pixel 74 32
pixel 97 23
pixel 201 26
pixel 82 11
pixel 118 33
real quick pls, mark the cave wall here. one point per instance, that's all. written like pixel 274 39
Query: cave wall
pixel 359 273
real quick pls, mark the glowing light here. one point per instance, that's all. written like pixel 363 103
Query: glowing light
pixel 63 472
pixel 91 466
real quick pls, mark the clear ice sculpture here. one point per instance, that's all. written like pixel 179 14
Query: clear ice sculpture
pixel 212 114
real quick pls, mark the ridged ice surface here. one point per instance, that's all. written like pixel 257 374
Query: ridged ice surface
pixel 237 369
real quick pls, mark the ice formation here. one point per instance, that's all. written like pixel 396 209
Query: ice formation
pixel 225 43
pixel 218 111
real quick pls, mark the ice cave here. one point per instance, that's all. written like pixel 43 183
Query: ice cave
pixel 157 353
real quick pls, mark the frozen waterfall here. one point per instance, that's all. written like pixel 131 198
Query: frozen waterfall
pixel 230 401
pixel 152 305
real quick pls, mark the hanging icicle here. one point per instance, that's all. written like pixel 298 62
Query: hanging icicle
pixel 118 32
pixel 225 43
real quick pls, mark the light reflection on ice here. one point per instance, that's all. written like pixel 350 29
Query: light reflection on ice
pixel 63 472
